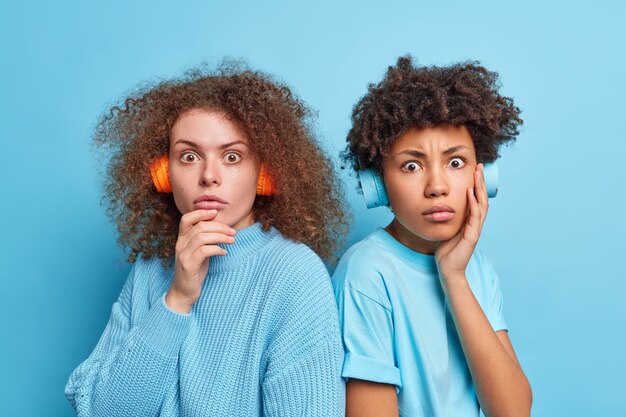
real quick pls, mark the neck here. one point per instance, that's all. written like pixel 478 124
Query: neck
pixel 246 221
pixel 248 241
pixel 411 240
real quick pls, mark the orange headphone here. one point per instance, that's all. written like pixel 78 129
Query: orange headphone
pixel 160 177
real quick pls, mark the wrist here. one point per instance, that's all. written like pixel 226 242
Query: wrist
pixel 453 282
pixel 178 303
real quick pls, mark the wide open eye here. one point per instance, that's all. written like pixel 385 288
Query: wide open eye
pixel 232 157
pixel 188 157
pixel 411 166
pixel 456 163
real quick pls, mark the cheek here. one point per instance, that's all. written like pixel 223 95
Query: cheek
pixel 244 185
pixel 399 189
pixel 461 186
pixel 178 183
pixel 181 199
pixel 400 199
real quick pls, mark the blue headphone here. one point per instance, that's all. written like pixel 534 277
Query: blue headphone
pixel 375 194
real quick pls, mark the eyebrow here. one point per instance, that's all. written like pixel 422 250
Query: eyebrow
pixel 419 154
pixel 455 149
pixel 224 146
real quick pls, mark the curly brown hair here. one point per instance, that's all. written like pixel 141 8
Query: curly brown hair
pixel 308 208
pixel 411 96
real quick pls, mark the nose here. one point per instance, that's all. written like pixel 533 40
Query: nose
pixel 210 174
pixel 436 183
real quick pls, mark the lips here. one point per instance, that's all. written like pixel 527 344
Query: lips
pixel 209 202
pixel 439 213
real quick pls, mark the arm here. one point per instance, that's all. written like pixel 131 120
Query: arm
pixel 304 357
pixel 311 386
pixel 370 399
pixel 501 386
pixel 367 329
pixel 133 365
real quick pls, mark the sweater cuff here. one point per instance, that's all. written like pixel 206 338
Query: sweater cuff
pixel 163 329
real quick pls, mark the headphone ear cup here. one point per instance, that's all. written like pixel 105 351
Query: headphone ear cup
pixel 159 170
pixel 375 193
pixel 373 189
pixel 265 186
pixel 492 178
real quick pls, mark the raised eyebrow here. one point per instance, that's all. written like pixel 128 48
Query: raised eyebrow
pixel 195 145
pixel 186 142
pixel 237 142
pixel 455 149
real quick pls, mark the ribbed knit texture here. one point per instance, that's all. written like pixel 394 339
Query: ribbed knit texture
pixel 262 339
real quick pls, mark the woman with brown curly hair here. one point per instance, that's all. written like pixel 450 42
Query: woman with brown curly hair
pixel 226 310
pixel 420 306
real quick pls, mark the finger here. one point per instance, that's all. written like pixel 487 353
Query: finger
pixel 206 251
pixel 480 192
pixel 202 239
pixel 212 226
pixel 204 226
pixel 474 221
pixel 188 220
pixel 479 184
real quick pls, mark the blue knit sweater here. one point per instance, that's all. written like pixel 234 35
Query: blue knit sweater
pixel 262 339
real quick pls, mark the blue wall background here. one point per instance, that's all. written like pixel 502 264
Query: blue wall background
pixel 555 232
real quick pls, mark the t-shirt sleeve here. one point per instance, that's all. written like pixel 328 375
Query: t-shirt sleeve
pixel 486 286
pixel 367 325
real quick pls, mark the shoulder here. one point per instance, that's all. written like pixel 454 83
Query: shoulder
pixel 300 283
pixel 296 256
pixel 363 268
pixel 151 275
pixel 295 261
pixel 153 267
pixel 481 273
pixel 480 265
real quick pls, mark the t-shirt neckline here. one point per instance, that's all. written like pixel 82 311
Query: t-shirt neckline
pixel 406 253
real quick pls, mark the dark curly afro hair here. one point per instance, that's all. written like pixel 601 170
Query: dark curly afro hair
pixel 411 96
pixel 308 208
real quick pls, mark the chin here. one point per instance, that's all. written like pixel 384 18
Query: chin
pixel 439 233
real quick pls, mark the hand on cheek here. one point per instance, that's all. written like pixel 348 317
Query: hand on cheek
pixel 453 255
pixel 198 236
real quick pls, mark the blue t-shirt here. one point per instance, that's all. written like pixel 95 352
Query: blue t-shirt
pixel 397 327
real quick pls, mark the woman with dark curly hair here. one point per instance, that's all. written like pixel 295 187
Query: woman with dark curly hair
pixel 223 196
pixel 420 307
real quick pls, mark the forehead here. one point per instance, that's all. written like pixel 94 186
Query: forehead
pixel 206 128
pixel 433 140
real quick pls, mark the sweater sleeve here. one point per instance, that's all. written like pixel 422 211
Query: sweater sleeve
pixel 303 376
pixel 135 363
